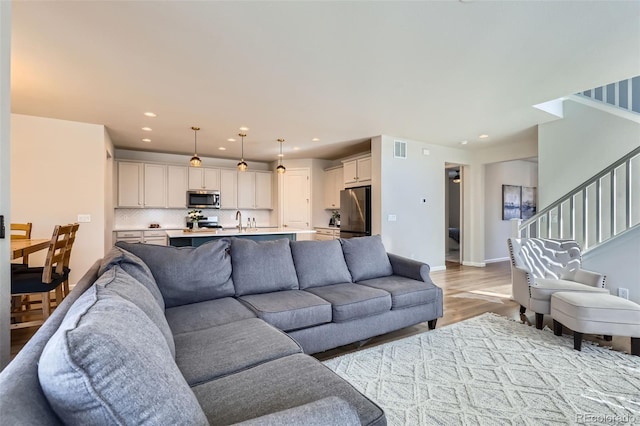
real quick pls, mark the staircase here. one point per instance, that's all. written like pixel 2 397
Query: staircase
pixel 602 208
pixel 624 94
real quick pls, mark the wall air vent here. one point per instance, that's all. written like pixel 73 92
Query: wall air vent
pixel 400 150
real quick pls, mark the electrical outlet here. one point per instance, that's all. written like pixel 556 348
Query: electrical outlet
pixel 84 218
pixel 623 292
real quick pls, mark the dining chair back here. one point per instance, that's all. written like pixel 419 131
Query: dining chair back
pixel 43 280
pixel 67 260
pixel 21 231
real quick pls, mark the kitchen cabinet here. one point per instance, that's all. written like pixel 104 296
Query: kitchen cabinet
pixel 130 184
pixel 228 189
pixel 333 184
pixel 148 237
pixel 254 190
pixel 357 171
pixel 155 185
pixel 324 234
pixel 204 178
pixel 177 183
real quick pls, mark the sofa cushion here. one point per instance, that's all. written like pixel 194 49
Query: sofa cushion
pixel 289 310
pixel 205 355
pixel 210 313
pixel 405 292
pixel 262 266
pixel 366 257
pixel 187 274
pixel 350 301
pixel 279 385
pixel 119 282
pixel 319 263
pixel 326 411
pixel 109 364
pixel 133 266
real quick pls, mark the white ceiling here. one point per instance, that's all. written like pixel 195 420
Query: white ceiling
pixel 439 72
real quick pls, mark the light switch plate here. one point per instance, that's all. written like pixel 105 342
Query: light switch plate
pixel 392 218
pixel 84 218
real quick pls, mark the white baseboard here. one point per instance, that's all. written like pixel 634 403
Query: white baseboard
pixel 496 260
pixel 438 268
pixel 476 264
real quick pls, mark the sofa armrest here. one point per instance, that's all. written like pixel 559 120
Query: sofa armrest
pixel 593 279
pixel 410 268
pixel 327 411
pixel 521 279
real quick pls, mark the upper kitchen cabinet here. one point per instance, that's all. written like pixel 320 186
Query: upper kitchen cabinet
pixel 333 184
pixel 155 185
pixel 204 178
pixel 254 190
pixel 357 171
pixel 130 184
pixel 228 189
pixel 177 183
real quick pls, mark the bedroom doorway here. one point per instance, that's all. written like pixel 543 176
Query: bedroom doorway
pixel 453 213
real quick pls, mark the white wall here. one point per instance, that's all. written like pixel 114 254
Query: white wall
pixel 5 173
pixel 58 171
pixel 574 149
pixel 520 173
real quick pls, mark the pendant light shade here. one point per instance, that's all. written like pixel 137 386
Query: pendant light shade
pixel 456 178
pixel 195 160
pixel 280 169
pixel 242 165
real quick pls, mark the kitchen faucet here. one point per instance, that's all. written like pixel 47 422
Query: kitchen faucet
pixel 239 218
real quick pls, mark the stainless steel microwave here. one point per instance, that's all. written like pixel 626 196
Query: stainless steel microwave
pixel 203 199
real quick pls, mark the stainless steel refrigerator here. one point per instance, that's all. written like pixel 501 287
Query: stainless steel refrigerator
pixel 355 212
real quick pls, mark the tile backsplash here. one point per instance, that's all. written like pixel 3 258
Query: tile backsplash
pixel 176 218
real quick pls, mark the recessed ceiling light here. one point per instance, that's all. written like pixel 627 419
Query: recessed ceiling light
pixel 295 148
pixel 222 148
pixel 244 129
pixel 464 142
pixel 231 140
pixel 483 136
pixel 147 129
pixel 146 140
pixel 315 140
pixel 150 114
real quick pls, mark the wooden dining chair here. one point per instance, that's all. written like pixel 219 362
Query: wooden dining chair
pixel 21 231
pixel 42 281
pixel 67 261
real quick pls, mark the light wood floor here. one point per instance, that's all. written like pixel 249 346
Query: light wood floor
pixel 468 292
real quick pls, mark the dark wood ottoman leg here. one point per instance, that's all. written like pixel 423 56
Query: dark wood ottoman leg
pixel 557 328
pixel 607 338
pixel 539 320
pixel 432 324
pixel 577 341
pixel 522 309
pixel 635 346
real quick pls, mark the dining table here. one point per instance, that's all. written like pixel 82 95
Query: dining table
pixel 21 248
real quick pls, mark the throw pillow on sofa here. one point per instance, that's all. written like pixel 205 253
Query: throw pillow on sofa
pixel 319 263
pixel 135 267
pixel 187 274
pixel 108 364
pixel 366 257
pixel 262 266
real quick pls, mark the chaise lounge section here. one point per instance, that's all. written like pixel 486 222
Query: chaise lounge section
pixel 218 334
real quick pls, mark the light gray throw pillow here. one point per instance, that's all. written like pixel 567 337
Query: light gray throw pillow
pixel 187 274
pixel 135 267
pixel 109 364
pixel 366 257
pixel 262 266
pixel 319 263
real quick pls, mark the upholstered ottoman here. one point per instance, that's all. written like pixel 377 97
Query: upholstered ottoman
pixel 596 313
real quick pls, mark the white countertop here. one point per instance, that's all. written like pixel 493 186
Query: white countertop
pixel 235 232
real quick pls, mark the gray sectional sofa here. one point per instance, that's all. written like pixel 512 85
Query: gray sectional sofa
pixel 218 334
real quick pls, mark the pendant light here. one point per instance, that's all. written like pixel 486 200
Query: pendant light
pixel 242 165
pixel 195 160
pixel 280 169
pixel 456 178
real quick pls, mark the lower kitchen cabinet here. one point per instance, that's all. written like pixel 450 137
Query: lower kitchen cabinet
pixel 323 234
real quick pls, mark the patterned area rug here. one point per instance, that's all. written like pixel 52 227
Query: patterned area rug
pixel 490 370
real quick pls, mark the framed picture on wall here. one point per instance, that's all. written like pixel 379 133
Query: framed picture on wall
pixel 528 202
pixel 511 204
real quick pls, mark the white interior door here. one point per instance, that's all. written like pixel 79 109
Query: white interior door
pixel 296 203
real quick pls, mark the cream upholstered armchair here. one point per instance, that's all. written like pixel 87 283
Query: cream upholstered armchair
pixel 541 267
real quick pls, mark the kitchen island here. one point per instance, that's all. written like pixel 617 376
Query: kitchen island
pixel 200 236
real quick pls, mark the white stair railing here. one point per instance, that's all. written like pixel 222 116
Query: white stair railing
pixel 604 207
